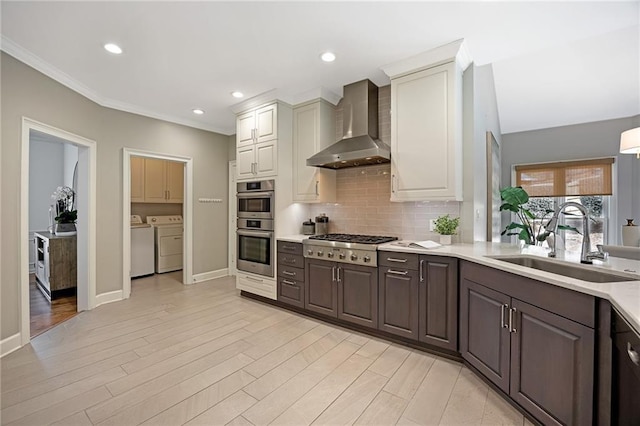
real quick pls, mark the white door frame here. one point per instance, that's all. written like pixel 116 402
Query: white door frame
pixel 233 216
pixel 187 213
pixel 86 225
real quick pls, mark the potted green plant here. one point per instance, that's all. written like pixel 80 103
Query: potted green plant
pixel 64 198
pixel 446 226
pixel 532 226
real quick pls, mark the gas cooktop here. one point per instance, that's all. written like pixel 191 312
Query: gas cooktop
pixel 345 248
pixel 353 238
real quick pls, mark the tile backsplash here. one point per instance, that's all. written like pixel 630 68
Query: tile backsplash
pixel 363 207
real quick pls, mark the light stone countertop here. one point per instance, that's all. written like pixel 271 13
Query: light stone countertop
pixel 624 296
pixel 296 238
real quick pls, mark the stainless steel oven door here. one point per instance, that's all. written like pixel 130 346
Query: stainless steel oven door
pixel 256 252
pixel 255 205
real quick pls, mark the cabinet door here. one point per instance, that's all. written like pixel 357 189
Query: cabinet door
pixel 484 339
pixel 358 294
pixel 552 366
pixel 266 123
pixel 245 159
pixel 306 120
pixel 266 159
pixel 154 181
pixel 439 301
pixel 425 148
pixel 398 308
pixel 245 125
pixel 321 292
pixel 137 180
pixel 175 181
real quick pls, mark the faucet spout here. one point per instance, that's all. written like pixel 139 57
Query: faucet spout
pixel 552 226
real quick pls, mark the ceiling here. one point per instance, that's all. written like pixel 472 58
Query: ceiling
pixel 555 63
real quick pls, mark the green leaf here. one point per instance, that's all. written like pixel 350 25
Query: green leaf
pixel 524 235
pixel 568 228
pixel 514 225
pixel 543 236
pixel 514 195
pixel 528 214
pixel 510 207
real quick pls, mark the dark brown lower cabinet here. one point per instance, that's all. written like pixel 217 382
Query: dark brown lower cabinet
pixel 291 274
pixel 544 361
pixel 419 304
pixel 343 291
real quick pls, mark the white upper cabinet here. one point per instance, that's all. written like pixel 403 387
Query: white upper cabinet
pixel 426 126
pixel 314 128
pixel 256 143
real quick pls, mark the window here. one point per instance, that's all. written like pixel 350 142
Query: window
pixel 586 182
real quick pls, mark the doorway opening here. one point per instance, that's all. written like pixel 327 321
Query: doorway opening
pixel 161 201
pixel 63 265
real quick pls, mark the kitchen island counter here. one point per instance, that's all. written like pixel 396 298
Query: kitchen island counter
pixel 625 295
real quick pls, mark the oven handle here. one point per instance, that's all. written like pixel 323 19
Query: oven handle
pixel 262 194
pixel 248 233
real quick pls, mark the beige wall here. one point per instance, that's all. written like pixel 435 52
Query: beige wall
pixel 28 93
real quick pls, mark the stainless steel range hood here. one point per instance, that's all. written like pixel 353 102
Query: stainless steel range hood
pixel 359 145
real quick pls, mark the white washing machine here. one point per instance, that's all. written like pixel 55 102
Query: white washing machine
pixel 168 242
pixel 142 251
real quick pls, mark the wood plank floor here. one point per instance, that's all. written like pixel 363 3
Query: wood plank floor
pixel 43 314
pixel 203 355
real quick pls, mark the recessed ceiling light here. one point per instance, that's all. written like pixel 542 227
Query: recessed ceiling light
pixel 237 94
pixel 328 57
pixel 113 48
pixel 198 111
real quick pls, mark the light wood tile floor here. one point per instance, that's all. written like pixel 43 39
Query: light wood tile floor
pixel 203 355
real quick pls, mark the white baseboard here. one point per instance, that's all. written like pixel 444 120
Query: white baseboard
pixel 10 344
pixel 211 275
pixel 112 296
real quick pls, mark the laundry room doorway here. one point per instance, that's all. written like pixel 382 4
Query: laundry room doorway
pixel 157 191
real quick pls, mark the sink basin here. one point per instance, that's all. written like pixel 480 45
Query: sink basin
pixel 566 269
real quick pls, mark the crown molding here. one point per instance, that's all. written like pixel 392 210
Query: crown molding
pixel 13 49
pixel 455 51
pixel 318 93
pixel 268 97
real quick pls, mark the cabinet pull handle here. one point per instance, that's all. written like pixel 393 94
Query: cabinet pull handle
pixel 502 316
pixel 392 271
pixel 317 193
pixel 333 273
pixel 291 274
pixel 393 259
pixel 421 273
pixel 633 355
pixel 168 194
pixel 285 247
pixel 512 320
pixel 291 283
pixel 338 274
pixel 254 279
pixel 393 183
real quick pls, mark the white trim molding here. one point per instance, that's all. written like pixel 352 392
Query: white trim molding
pixel 10 344
pixel 187 213
pixel 109 297
pixel 211 275
pixel 86 239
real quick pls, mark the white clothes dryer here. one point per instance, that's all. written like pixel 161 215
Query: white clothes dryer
pixel 168 242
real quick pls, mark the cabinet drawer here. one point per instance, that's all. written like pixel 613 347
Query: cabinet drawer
pixel 291 292
pixel 290 273
pixel 290 248
pixel 398 260
pixel 285 259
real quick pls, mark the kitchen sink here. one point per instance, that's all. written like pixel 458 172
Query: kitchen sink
pixel 579 272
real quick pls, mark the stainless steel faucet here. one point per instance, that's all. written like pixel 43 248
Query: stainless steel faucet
pixel 585 255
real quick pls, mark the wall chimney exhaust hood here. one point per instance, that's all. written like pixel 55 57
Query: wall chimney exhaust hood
pixel 359 145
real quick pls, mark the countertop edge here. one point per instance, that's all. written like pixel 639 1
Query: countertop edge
pixel 621 294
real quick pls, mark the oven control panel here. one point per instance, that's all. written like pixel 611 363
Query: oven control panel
pixel 344 255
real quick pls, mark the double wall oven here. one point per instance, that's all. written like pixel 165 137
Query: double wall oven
pixel 256 242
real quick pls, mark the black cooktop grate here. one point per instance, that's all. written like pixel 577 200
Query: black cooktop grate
pixel 351 238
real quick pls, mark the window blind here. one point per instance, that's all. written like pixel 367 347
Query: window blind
pixel 565 178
